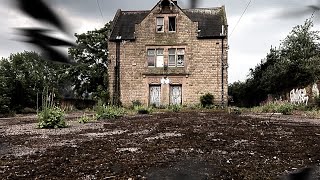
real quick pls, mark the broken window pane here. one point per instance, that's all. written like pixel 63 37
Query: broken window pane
pixel 160 24
pixel 172 24
pixel 180 61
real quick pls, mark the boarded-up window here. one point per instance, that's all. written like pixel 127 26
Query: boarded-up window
pixel 160 24
pixel 172 24
pixel 159 58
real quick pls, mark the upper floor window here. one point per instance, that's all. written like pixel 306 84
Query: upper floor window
pixel 172 24
pixel 160 24
pixel 176 57
pixel 155 57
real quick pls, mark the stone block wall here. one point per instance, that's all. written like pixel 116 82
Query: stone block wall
pixel 201 74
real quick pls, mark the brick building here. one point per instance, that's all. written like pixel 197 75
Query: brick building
pixel 168 55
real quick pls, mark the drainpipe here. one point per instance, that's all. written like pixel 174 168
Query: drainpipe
pixel 222 72
pixel 116 95
pixel 223 36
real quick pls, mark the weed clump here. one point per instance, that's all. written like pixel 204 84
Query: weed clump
pixel 108 112
pixel 51 116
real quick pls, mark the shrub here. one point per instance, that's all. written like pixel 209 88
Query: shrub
pixel 286 108
pixel 136 103
pixel 206 100
pixel 108 112
pixel 52 117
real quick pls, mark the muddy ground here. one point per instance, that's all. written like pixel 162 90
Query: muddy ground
pixel 186 145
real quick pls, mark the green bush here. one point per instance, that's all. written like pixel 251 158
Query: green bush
pixel 207 100
pixel 50 118
pixel 136 103
pixel 108 112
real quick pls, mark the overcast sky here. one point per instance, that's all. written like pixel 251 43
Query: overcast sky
pixel 265 23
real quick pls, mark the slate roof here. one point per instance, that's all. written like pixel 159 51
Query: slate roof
pixel 124 24
pixel 210 22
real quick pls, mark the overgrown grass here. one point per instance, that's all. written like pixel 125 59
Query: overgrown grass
pixel 108 112
pixel 143 109
pixel 175 108
pixel 276 107
pixel 86 118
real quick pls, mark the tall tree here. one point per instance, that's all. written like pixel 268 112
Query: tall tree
pixel 296 63
pixel 23 75
pixel 90 76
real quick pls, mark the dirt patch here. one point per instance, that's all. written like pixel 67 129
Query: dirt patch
pixel 187 145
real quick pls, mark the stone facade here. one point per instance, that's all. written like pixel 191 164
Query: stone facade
pixel 204 60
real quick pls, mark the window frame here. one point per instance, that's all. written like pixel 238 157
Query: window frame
pixel 163 26
pixel 175 24
pixel 176 57
pixel 155 56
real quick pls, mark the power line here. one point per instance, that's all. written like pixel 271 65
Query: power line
pixel 240 17
pixel 100 10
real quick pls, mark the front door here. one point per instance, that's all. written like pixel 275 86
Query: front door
pixel 175 95
pixel 155 91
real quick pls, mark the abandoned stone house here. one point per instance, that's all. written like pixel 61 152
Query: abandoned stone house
pixel 168 55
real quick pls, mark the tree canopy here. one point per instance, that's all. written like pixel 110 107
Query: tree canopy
pixel 89 77
pixel 296 63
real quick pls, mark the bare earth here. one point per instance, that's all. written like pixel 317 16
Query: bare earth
pixel 186 145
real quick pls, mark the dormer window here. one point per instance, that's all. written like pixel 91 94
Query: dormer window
pixel 172 24
pixel 160 24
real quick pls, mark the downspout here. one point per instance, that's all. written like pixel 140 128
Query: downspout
pixel 222 72
pixel 223 65
pixel 116 96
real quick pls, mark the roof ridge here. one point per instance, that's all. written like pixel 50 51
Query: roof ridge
pixel 212 8
pixel 137 11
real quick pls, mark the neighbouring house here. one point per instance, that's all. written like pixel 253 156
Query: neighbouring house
pixel 168 55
